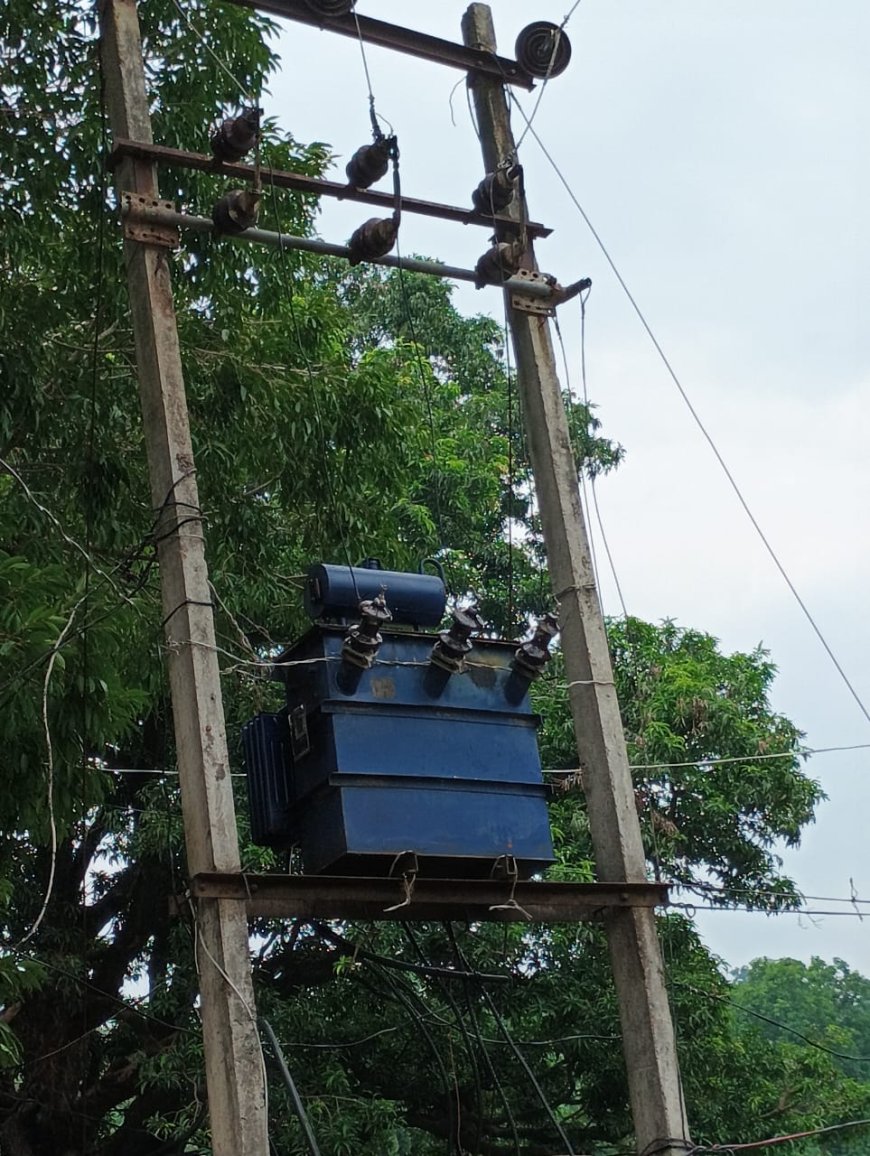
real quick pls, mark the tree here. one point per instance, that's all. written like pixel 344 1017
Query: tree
pixel 334 416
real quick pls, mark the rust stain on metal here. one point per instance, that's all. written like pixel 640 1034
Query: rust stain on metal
pixel 384 687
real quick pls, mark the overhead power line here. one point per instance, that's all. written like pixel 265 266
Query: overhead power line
pixel 696 416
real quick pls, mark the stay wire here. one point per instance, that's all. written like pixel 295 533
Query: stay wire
pixel 697 419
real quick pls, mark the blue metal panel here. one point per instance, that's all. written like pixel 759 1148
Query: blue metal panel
pixel 336 592
pixel 266 742
pixel 404 758
pixel 362 824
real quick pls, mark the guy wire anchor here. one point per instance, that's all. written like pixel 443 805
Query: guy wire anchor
pixel 545 306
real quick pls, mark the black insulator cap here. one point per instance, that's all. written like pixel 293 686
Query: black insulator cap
pixel 497 264
pixel 369 163
pixel 543 49
pixel 373 239
pixel 453 644
pixel 330 7
pixel 236 211
pixel 532 656
pixel 496 191
pixel 237 136
pixel 364 641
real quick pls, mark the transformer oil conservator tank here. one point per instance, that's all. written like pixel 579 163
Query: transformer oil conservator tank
pixel 398 741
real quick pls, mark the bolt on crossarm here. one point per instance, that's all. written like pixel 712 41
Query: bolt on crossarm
pixel 647 1029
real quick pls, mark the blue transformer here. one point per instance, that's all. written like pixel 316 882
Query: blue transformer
pixel 366 764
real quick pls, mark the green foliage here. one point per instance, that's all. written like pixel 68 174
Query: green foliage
pixel 712 824
pixel 334 415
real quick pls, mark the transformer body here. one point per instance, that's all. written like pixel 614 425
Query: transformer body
pixel 365 765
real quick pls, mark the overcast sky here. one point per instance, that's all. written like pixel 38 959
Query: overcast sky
pixel 721 151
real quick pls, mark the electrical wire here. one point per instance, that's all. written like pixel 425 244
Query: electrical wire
pixel 200 36
pixel 287 282
pixel 772 1022
pixel 503 1028
pixel 584 297
pixel 290 1083
pixel 701 761
pixel 755 1145
pixel 553 54
pixel 697 419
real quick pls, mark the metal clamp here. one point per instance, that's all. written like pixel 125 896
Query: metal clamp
pixel 140 225
pixel 544 306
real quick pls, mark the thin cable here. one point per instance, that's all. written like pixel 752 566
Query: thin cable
pixel 49 775
pixel 581 472
pixel 223 67
pixel 553 54
pixel 774 1023
pixel 584 297
pixel 502 1094
pixel 539 1091
pixel 427 400
pixel 697 419
pixel 701 761
pixel 287 281
pixel 756 1144
pixel 298 1105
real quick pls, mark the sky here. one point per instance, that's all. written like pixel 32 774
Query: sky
pixel 721 152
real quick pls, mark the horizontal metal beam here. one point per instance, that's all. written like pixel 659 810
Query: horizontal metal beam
pixel 479 900
pixel 407 40
pixel 138 211
pixel 300 182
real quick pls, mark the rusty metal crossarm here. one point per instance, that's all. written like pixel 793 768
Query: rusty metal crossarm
pixel 407 40
pixel 303 183
pixel 330 897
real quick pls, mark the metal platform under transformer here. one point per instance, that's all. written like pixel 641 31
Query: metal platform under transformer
pixel 473 900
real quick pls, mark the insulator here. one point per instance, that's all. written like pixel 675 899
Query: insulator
pixel 237 136
pixel 373 239
pixel 496 191
pixel 498 263
pixel 543 49
pixel 237 210
pixel 369 163
pixel 454 644
pixel 364 641
pixel 532 656
pixel 331 7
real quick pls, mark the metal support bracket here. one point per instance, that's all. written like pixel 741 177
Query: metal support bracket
pixel 140 223
pixel 543 306
pixel 478 900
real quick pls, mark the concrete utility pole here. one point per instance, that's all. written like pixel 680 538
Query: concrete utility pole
pixel 233 1058
pixel 647 1031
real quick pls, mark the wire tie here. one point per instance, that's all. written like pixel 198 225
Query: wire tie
pixel 408 881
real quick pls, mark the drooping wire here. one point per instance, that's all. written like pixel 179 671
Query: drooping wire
pixel 509 1040
pixel 755 1145
pixel 698 421
pixel 493 1075
pixel 459 1020
pixel 290 1083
